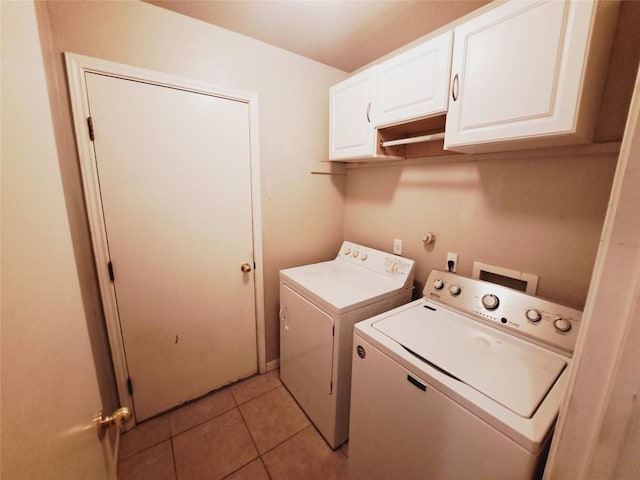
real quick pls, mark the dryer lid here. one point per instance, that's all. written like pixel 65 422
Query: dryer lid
pixel 509 370
pixel 342 286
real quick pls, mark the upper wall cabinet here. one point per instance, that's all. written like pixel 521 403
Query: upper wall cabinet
pixel 414 84
pixel 529 74
pixel 407 87
pixel 351 132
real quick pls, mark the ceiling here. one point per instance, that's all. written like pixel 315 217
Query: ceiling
pixel 345 34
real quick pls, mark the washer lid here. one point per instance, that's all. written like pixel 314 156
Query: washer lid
pixel 511 371
pixel 343 286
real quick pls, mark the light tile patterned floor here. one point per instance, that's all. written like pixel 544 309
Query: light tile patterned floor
pixel 253 430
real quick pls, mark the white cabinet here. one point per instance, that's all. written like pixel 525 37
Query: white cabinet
pixel 414 84
pixel 351 132
pixel 410 86
pixel 529 74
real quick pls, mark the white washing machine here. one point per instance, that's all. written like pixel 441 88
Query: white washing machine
pixel 319 304
pixel 465 383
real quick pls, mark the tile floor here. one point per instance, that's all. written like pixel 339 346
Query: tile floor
pixel 253 430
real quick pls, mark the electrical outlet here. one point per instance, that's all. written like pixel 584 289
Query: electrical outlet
pixel 397 246
pixel 452 262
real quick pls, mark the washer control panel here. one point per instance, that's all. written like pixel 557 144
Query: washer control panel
pixel 399 268
pixel 544 322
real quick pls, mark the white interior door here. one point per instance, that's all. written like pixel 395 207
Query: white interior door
pixel 175 182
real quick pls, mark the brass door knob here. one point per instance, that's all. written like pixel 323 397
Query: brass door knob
pixel 245 267
pixel 118 419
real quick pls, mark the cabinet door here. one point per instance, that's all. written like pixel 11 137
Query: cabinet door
pixel 414 84
pixel 517 75
pixel 351 133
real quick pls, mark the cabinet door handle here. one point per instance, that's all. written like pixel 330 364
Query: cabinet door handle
pixel 454 87
pixel 369 112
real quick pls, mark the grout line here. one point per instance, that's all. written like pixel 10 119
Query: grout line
pixel 173 455
pixel 287 439
pixel 280 384
pixel 260 394
pixel 235 401
pixel 172 435
pixel 264 465
pixel 155 444
pixel 249 432
pixel 243 466
pixel 260 455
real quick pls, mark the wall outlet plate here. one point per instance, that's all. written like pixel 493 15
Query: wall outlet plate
pixel 452 262
pixel 397 246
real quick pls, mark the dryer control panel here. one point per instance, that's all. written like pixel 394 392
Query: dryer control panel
pixel 398 268
pixel 541 321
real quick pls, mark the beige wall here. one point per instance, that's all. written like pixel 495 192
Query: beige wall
pixel 537 215
pixel 293 106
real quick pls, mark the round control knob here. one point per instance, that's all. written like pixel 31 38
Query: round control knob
pixel 347 251
pixel 533 315
pixel 355 254
pixel 454 289
pixel 363 257
pixel 562 324
pixel 438 284
pixel 490 301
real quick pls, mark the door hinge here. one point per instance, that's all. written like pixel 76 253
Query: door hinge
pixel 90 124
pixel 130 386
pixel 112 276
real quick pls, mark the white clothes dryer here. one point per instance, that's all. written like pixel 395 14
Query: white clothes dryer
pixel 465 383
pixel 319 304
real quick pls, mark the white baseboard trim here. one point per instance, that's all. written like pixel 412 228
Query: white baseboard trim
pixel 273 364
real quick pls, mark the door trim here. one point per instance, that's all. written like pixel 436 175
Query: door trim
pixel 77 67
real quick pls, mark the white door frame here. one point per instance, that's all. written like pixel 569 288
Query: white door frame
pixel 77 67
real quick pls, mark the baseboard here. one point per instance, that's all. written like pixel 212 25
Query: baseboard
pixel 273 365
